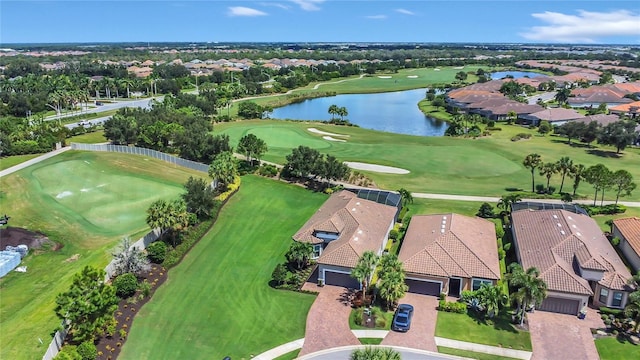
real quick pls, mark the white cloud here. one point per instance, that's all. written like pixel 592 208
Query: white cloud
pixel 586 27
pixel 308 5
pixel 377 17
pixel 244 11
pixel 405 11
pixel 278 5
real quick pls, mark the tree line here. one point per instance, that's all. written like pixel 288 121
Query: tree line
pixel 619 134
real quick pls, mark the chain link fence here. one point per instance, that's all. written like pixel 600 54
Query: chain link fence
pixel 144 152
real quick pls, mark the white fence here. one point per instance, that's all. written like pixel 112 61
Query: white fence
pixel 58 338
pixel 144 152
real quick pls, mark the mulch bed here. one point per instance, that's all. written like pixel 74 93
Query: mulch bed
pixel 109 346
pixel 14 236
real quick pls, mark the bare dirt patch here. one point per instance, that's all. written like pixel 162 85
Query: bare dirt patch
pixel 14 236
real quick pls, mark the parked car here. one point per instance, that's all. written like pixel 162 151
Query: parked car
pixel 402 318
pixel 99 103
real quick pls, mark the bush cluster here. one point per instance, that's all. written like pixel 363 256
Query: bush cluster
pixel 267 170
pixel 610 209
pixel 231 188
pixel 190 238
pixel 452 306
pixel 520 136
pixel 157 251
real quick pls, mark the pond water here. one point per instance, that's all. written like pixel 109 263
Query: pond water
pixel 516 74
pixel 395 112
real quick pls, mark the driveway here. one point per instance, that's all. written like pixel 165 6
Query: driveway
pixel 559 336
pixel 423 324
pixel 328 321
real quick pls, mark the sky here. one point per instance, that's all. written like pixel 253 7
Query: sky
pixel 424 21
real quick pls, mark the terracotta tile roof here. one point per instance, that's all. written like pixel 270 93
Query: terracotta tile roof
pixel 451 245
pixel 462 92
pixel 362 224
pixel 553 240
pixel 627 107
pixel 630 229
pixel 598 96
pixel 518 108
pixel 601 119
pixel 475 98
pixel 490 103
pixel 629 88
pixel 557 114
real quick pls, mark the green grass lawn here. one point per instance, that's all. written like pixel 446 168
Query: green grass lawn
pixel 9 161
pixel 470 354
pixel 370 341
pixel 217 302
pixel 88 138
pixel 610 348
pixel 289 356
pixel 500 332
pixel 88 223
pixel 484 166
pixel 388 317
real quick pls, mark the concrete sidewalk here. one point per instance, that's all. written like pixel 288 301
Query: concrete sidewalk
pixel 479 348
pixel 280 350
pixel 36 160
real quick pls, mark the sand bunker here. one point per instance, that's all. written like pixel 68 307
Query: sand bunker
pixel 64 194
pixel 333 139
pixel 376 168
pixel 436 69
pixel 384 77
pixel 316 131
pixel 412 76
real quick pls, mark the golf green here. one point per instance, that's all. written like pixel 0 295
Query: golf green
pixel 107 199
pixel 280 136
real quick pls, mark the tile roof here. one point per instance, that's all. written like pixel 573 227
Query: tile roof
pixel 557 114
pixel 630 229
pixel 633 106
pixel 602 119
pixel 362 224
pixel 554 240
pixel 451 245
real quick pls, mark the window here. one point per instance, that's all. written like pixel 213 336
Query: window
pixel 477 283
pixel 617 299
pixel 604 296
pixel 317 249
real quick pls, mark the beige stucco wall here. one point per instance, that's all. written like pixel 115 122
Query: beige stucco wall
pixel 632 257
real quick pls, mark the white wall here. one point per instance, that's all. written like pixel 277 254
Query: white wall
pixel 632 257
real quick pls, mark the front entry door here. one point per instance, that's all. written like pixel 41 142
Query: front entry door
pixel 454 287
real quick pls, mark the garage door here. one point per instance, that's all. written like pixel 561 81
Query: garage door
pixel 559 305
pixel 423 287
pixel 340 279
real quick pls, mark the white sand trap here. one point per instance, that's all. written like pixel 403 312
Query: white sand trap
pixel 459 67
pixel 412 76
pixel 64 194
pixel 316 131
pixel 86 162
pixel 384 77
pixel 101 185
pixel 436 69
pixel 333 139
pixel 376 168
pixel 84 190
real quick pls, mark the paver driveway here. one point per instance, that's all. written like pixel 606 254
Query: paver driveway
pixel 563 337
pixel 423 325
pixel 328 321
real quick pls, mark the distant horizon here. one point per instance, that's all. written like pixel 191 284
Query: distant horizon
pixel 571 22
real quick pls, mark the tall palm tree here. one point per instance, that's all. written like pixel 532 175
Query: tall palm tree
pixel 389 263
pixel 564 166
pixel 506 201
pixel 299 253
pixel 364 269
pixel 531 162
pixel 491 298
pixel 157 215
pixel 342 112
pixel 333 111
pixel 223 169
pixel 531 289
pixel 562 95
pixel 547 170
pixel 127 83
pixel 406 196
pixel 391 286
pixel 577 173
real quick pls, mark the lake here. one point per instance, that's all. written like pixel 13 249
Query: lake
pixel 516 74
pixel 395 112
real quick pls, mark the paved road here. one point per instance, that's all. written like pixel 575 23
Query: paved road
pixel 35 160
pixel 143 103
pixel 87 123
pixel 544 96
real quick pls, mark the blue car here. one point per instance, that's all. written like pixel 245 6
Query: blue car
pixel 402 318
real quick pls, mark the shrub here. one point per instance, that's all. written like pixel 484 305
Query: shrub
pixel 145 288
pixel 231 188
pixel 68 352
pixel 268 170
pixel 358 317
pixel 551 190
pixel 443 296
pixel 394 234
pixel 485 211
pixel 454 307
pixel 467 295
pixel 87 350
pixel 157 251
pixel 520 136
pixel 610 209
pixel 608 311
pixel 123 333
pixel 615 241
pixel 540 188
pixel 279 274
pixel 491 123
pixel 501 254
pixel 126 285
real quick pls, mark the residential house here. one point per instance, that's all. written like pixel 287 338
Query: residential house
pixel 596 95
pixel 343 229
pixel 449 253
pixel 632 109
pixel 555 116
pixel 601 119
pixel 574 258
pixel 628 231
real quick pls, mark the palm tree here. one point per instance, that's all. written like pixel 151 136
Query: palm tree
pixel 333 111
pixel 127 83
pixel 391 286
pixel 491 298
pixel 577 173
pixel 389 263
pixel 156 215
pixel 562 95
pixel 564 166
pixel 531 289
pixel 364 269
pixel 406 196
pixel 632 310
pixel 223 169
pixel 531 162
pixel 506 201
pixel 299 253
pixel 342 111
pixel 547 170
